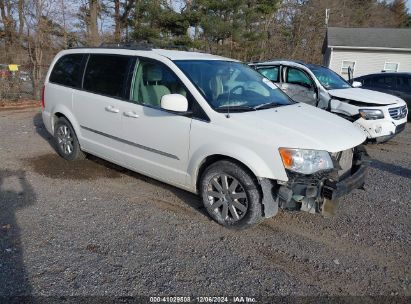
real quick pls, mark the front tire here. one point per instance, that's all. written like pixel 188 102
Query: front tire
pixel 231 195
pixel 66 140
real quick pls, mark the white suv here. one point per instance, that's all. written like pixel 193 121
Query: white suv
pixel 206 124
pixel 380 116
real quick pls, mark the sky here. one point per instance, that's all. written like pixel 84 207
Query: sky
pixel 409 5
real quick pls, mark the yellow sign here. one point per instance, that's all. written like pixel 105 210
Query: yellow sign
pixel 13 67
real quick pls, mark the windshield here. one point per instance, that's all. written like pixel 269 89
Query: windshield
pixel 226 84
pixel 329 79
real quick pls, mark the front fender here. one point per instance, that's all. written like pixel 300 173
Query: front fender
pixel 263 165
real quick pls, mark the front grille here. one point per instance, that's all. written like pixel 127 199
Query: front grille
pixel 398 113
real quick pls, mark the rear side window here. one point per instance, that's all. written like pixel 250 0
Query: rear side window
pixel 107 75
pixel 68 71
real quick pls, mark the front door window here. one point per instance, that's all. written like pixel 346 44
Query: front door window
pixel 152 80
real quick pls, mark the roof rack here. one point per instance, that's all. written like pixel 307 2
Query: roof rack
pixel 143 45
pixel 127 45
pixel 140 46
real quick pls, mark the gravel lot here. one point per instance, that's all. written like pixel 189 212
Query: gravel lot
pixel 91 228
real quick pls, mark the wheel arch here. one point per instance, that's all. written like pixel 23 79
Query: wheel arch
pixel 62 111
pixel 264 185
pixel 211 159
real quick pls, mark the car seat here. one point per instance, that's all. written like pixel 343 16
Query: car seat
pixel 152 90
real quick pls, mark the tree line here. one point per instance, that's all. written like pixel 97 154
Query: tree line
pixel 33 31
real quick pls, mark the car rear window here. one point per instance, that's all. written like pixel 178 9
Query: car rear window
pixel 107 74
pixel 68 71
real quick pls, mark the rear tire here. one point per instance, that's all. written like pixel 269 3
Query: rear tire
pixel 67 144
pixel 231 195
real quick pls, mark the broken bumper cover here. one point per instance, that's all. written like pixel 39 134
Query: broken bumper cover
pixel 333 190
pixel 382 139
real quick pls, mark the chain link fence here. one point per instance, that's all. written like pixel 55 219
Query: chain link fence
pixel 18 84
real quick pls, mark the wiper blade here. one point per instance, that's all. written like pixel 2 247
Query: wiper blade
pixel 267 105
pixel 235 108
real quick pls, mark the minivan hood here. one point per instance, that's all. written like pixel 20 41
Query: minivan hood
pixel 364 95
pixel 299 126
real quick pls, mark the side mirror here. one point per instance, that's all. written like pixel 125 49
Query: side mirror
pixel 356 84
pixel 174 103
pixel 333 104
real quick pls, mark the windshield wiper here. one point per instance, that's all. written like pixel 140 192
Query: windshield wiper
pixel 267 105
pixel 241 108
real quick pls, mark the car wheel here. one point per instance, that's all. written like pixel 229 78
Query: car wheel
pixel 67 143
pixel 231 195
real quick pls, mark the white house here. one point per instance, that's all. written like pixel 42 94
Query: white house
pixel 367 50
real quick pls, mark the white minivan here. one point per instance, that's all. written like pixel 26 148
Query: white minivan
pixel 203 123
pixel 380 116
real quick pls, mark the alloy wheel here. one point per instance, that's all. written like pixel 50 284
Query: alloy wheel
pixel 65 139
pixel 227 197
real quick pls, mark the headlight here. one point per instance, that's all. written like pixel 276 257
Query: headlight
pixel 305 161
pixel 370 114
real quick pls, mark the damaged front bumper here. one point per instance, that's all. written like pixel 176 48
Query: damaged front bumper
pixel 316 192
pixel 333 190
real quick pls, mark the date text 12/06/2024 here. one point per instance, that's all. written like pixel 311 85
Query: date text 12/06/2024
pixel 174 299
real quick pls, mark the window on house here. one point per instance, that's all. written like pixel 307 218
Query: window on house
pixel 391 67
pixel 345 65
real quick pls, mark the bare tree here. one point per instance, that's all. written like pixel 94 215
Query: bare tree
pixel 20 9
pixel 117 21
pixel 40 27
pixel 94 36
pixel 9 26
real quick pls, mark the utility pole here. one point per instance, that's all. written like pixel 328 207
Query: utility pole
pixel 327 16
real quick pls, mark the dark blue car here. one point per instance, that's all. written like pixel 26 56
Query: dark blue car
pixel 398 84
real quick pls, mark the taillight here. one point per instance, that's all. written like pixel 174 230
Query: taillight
pixel 43 104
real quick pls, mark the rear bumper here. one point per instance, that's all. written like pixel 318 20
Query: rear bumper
pixel 47 121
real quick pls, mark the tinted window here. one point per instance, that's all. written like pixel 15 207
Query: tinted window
pixel 153 80
pixel 298 77
pixel 68 71
pixel 384 81
pixel 404 83
pixel 107 74
pixel 390 81
pixel 377 80
pixel 365 80
pixel 270 73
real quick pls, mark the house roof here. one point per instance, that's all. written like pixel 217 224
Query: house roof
pixel 369 38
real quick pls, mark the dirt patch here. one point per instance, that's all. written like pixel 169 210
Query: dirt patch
pixel 52 165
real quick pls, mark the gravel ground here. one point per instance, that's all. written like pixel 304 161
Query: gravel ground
pixel 92 228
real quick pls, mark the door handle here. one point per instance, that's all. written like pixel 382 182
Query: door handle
pixel 131 114
pixel 112 109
